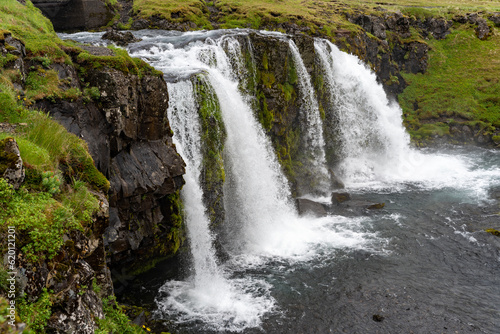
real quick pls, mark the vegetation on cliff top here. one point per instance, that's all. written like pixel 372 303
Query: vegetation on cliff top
pixel 322 16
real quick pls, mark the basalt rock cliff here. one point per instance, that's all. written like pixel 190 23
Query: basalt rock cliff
pixel 130 139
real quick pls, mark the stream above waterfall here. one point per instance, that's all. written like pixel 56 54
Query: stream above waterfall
pixel 422 264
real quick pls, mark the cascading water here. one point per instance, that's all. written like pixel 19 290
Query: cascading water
pixel 314 142
pixel 208 295
pixel 419 258
pixel 374 146
pixel 262 222
pixel 371 134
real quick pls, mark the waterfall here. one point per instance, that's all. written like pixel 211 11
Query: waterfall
pixel 182 113
pixel 261 221
pixel 257 189
pixel 374 146
pixel 208 295
pixel 312 123
pixel 372 137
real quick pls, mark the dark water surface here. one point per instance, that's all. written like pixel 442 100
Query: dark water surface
pixel 431 268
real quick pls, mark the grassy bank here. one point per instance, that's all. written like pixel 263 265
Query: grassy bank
pixel 460 85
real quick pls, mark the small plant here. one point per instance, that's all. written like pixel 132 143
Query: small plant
pixel 91 93
pixel 52 182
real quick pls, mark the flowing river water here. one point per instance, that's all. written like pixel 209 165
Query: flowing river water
pixel 421 264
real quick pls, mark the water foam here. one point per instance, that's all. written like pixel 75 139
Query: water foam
pixel 375 150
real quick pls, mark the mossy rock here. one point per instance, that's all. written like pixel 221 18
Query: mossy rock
pixel 494 232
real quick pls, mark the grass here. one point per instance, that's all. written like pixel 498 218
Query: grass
pixel 120 61
pixel 28 24
pixel 316 15
pixel 321 16
pixel 461 83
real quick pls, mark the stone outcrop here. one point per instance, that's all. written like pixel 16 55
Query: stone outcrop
pixel 11 164
pixel 121 38
pixel 129 137
pixel 483 30
pixel 76 14
pixel 340 197
pixel 71 276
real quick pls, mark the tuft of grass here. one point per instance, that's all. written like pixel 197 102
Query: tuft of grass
pixel 121 61
pixel 35 314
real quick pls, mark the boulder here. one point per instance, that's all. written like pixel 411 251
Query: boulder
pixel 438 27
pixel 122 38
pixel 11 164
pixel 495 18
pixel 310 208
pixel 338 197
pixel 483 31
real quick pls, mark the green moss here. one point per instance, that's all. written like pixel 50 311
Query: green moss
pixel 266 116
pixel 494 232
pixel 115 320
pixel 288 91
pixel 121 61
pixel 268 79
pixel 81 166
pixel 265 62
pixel 427 131
pixel 4 60
pixel 28 24
pixel 213 133
pixel 35 314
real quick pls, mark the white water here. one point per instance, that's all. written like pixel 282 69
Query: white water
pixel 208 294
pixel 312 123
pixel 263 222
pixel 375 147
